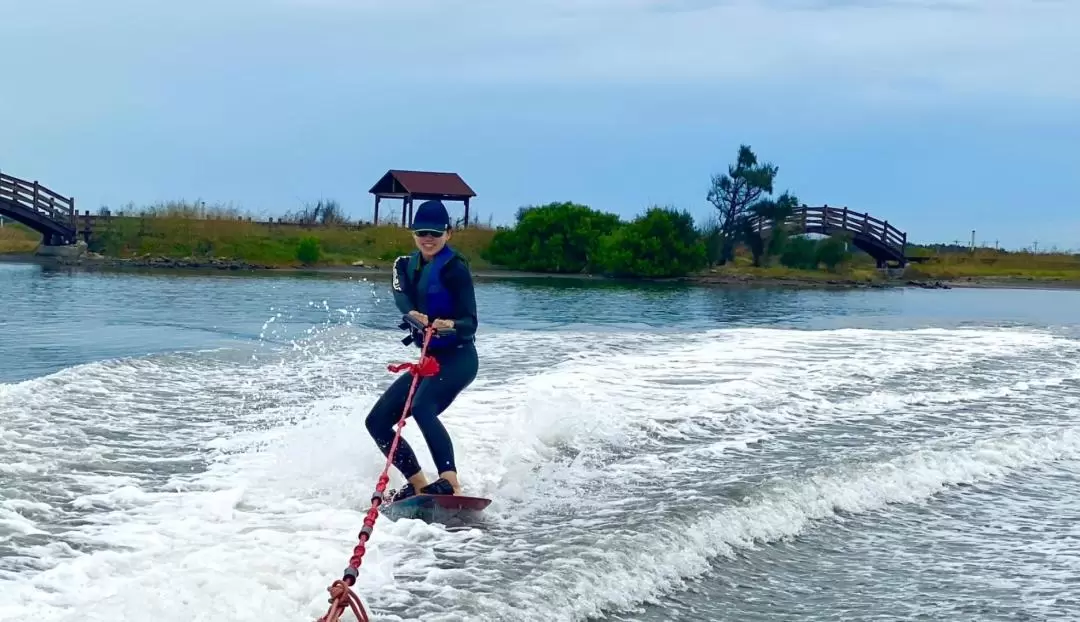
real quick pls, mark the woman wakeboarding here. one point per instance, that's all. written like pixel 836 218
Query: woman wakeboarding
pixel 432 285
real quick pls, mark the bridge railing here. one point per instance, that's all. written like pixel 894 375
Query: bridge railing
pixel 829 219
pixel 38 199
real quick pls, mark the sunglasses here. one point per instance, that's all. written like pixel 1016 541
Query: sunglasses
pixel 428 233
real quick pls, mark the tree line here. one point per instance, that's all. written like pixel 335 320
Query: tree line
pixel 566 237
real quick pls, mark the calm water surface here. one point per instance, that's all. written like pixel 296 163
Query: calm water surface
pixel 192 447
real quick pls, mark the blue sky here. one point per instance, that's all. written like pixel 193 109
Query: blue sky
pixel 940 116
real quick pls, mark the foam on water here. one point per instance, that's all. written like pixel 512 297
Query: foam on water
pixel 214 486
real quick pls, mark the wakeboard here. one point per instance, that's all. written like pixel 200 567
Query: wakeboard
pixel 445 509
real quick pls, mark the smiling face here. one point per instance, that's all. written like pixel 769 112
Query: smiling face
pixel 430 242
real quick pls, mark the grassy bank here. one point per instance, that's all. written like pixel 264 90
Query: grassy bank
pixel 990 264
pixel 179 233
pixel 742 268
pixel 17 239
pixel 277 245
pixel 752 235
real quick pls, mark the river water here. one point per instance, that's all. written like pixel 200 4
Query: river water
pixel 192 448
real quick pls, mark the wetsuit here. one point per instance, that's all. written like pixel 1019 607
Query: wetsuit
pixel 441 289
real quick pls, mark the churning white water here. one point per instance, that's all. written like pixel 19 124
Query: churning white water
pixel 738 473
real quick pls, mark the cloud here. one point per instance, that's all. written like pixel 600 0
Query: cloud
pixel 918 50
pixel 1000 48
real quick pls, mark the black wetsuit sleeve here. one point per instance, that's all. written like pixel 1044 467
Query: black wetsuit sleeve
pixel 399 285
pixel 459 280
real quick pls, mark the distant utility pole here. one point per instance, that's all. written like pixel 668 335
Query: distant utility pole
pixel 973 240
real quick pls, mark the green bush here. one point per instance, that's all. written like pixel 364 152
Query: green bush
pixel 832 251
pixel 712 235
pixel 800 253
pixel 557 237
pixel 660 243
pixel 806 254
pixel 308 251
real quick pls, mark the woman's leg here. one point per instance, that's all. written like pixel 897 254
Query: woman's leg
pixel 381 422
pixel 457 370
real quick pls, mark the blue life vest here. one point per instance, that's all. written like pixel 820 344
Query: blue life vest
pixel 432 297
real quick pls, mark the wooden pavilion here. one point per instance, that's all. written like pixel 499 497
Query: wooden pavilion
pixel 423 186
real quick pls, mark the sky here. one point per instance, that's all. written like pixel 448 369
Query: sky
pixel 940 116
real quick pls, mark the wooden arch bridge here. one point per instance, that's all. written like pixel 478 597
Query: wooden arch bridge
pixel 877 238
pixel 50 214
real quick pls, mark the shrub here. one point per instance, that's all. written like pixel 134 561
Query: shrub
pixel 662 242
pixel 308 251
pixel 557 237
pixel 832 251
pixel 799 252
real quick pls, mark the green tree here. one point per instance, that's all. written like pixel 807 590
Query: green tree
pixel 556 237
pixel 764 226
pixel 662 242
pixel 735 192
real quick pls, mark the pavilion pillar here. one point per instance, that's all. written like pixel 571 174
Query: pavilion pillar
pixel 466 223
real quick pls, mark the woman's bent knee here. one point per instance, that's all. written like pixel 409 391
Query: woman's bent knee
pixel 373 423
pixel 387 409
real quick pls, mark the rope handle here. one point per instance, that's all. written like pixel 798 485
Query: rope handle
pixel 409 321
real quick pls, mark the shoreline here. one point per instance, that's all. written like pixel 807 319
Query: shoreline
pixel 161 265
pixel 823 281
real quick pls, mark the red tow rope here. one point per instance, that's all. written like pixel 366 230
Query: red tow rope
pixel 341 593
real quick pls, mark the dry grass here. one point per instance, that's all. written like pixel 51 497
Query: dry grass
pixel 743 265
pixel 999 264
pixel 982 264
pixel 17 239
pixel 184 210
pixel 276 244
pixel 850 273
